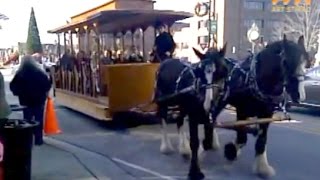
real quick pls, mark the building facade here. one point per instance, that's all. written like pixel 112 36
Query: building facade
pixel 234 18
pixel 239 17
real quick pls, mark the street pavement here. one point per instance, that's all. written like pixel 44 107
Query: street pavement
pixel 51 163
pixel 105 152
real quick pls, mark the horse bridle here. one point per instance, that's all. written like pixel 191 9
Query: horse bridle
pixel 208 85
pixel 196 86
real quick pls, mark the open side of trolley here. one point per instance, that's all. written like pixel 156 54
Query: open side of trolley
pixel 108 89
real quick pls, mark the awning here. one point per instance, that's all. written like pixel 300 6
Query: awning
pixel 68 27
pixel 112 21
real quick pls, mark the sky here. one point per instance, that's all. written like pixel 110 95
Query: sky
pixel 54 13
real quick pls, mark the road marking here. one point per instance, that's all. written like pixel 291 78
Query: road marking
pixel 308 131
pixel 303 130
pixel 180 177
pixel 134 166
pixel 105 178
pixel 84 135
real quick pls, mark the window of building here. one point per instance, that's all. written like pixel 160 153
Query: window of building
pixel 259 22
pixel 203 39
pixel 203 24
pixel 254 5
pixel 275 23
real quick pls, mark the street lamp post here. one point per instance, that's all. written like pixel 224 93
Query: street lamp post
pixel 253 35
pixel 203 9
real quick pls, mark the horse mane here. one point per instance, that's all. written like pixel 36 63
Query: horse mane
pixel 211 52
pixel 292 50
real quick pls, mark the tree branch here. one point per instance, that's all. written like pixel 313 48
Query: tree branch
pixel 304 23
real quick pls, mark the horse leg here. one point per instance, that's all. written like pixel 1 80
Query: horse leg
pixel 232 150
pixel 211 139
pixel 166 146
pixel 261 165
pixel 184 145
pixel 194 171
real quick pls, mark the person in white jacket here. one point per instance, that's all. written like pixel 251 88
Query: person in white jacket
pixel 4 106
pixel 5 110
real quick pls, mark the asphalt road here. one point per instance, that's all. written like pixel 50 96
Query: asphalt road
pixel 293 149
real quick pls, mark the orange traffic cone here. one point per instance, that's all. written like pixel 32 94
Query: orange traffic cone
pixel 51 126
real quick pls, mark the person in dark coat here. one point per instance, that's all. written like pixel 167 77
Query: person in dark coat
pixel 164 45
pixel 31 84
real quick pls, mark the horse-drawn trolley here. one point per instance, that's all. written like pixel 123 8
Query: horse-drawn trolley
pixel 100 85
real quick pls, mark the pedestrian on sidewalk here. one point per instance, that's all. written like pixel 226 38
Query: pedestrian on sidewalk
pixel 4 106
pixel 5 110
pixel 31 84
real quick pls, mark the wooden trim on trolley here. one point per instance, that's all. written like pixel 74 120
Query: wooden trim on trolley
pixel 84 104
pixel 103 100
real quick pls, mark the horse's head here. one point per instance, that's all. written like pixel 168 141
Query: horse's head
pixel 212 69
pixel 212 64
pixel 295 59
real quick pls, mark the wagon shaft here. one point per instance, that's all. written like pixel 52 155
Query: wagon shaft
pixel 248 129
pixel 235 124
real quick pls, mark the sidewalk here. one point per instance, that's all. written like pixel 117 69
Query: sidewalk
pixel 51 163
pixel 57 160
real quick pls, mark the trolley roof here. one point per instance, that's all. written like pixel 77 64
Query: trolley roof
pixel 113 21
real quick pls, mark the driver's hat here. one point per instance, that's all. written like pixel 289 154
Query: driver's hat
pixel 159 24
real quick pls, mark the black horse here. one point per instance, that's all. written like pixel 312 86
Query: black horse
pixel 189 87
pixel 256 86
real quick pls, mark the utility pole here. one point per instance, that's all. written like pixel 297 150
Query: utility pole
pixel 209 28
pixel 212 25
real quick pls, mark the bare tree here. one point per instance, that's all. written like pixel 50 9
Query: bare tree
pixel 306 23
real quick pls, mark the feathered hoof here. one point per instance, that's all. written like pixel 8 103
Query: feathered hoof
pixel 264 171
pixel 230 151
pixel 216 146
pixel 166 148
pixel 201 153
pixel 197 175
pixel 185 151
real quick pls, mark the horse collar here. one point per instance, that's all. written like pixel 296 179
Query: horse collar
pixel 253 85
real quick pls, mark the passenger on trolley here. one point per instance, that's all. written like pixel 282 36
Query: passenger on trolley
pixel 164 45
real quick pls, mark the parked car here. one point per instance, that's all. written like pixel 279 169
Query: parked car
pixel 312 88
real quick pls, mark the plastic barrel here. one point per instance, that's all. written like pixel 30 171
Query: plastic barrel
pixel 17 137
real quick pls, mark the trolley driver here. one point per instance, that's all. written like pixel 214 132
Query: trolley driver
pixel 164 45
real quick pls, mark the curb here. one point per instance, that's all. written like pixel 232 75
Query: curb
pixel 98 165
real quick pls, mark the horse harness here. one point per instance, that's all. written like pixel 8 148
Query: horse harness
pixel 251 84
pixel 196 85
